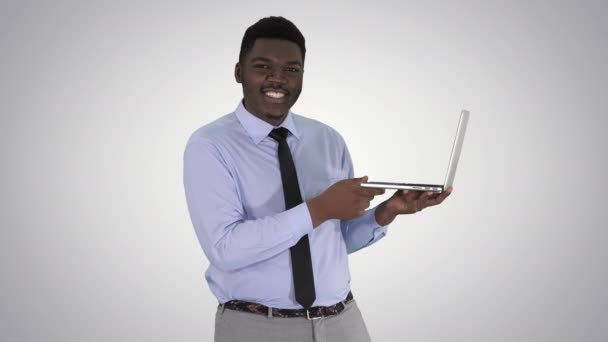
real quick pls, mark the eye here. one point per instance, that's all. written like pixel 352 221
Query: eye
pixel 293 69
pixel 261 66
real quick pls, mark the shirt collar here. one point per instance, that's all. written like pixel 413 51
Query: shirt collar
pixel 259 129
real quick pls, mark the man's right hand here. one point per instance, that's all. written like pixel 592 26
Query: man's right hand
pixel 344 200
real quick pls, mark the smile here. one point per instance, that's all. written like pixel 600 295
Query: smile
pixel 274 95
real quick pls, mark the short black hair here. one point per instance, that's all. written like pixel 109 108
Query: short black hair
pixel 272 27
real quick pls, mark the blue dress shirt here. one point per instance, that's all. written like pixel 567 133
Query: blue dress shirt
pixel 235 198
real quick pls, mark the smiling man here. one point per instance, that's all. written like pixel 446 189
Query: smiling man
pixel 276 208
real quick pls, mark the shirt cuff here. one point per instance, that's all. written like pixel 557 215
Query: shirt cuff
pixel 378 231
pixel 299 220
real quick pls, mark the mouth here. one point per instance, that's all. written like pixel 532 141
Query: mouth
pixel 275 95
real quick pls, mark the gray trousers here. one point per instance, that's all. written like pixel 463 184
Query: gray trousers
pixel 236 326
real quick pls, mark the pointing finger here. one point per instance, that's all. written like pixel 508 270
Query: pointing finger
pixel 369 191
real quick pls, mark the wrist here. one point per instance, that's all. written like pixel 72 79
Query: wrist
pixel 384 215
pixel 317 209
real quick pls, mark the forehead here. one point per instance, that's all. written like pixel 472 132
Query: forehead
pixel 275 49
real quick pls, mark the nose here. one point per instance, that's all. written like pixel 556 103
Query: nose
pixel 276 75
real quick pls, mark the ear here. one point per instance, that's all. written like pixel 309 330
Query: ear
pixel 237 73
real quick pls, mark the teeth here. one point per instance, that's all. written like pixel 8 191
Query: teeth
pixel 275 95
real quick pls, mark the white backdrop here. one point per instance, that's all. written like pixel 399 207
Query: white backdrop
pixel 98 99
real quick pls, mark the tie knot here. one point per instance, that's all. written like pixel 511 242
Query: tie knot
pixel 279 134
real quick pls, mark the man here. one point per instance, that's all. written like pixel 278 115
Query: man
pixel 275 207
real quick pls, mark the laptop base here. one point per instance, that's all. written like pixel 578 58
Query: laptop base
pixel 404 186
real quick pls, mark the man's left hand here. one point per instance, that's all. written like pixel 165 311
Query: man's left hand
pixel 408 202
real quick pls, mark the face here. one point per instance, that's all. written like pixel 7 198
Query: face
pixel 271 75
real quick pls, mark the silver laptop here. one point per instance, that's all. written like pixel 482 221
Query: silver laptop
pixel 449 177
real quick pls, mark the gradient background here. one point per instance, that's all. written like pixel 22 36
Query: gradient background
pixel 98 99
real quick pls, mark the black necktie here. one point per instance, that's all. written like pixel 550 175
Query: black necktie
pixel 301 263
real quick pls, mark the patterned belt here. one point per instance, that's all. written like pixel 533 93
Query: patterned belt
pixel 313 313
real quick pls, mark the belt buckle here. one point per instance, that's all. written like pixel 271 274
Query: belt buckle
pixel 308 316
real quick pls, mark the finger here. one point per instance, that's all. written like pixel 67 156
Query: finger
pixel 442 197
pixel 361 191
pixel 361 180
pixel 412 195
pixel 378 192
pixel 362 205
pixel 434 195
pixel 375 191
pixel 446 193
pixel 422 200
pixel 439 198
pixel 432 202
pixel 361 196
pixel 400 193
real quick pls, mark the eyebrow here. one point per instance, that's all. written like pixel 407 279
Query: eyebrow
pixel 268 60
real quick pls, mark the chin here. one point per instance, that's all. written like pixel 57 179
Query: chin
pixel 276 112
pixel 275 115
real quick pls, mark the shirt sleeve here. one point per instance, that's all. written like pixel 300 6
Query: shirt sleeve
pixel 228 240
pixel 363 231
